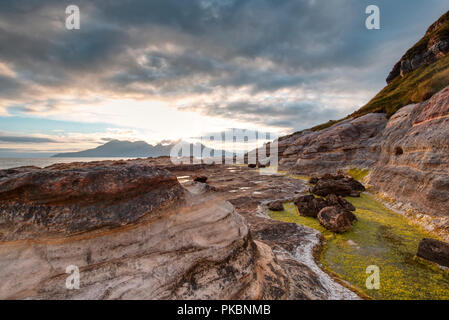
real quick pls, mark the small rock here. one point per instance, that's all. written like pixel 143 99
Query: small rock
pixel 202 179
pixel 336 219
pixel 435 251
pixel 276 206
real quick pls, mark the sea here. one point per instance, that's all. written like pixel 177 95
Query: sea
pixel 8 163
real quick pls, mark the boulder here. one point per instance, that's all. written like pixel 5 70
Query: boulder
pixel 336 219
pixel 435 251
pixel 334 200
pixel 338 185
pixel 276 206
pixel 202 179
pixel 309 206
pixel 327 187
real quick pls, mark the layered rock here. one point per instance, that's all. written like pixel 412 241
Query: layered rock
pixel 134 232
pixel 413 165
pixel 64 201
pixel 128 228
pixel 352 142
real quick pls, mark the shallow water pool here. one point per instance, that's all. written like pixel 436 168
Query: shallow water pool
pixel 383 238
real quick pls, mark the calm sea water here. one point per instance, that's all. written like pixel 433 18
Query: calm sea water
pixel 7 163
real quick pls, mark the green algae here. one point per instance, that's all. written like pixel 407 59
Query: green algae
pixel 383 238
pixel 358 174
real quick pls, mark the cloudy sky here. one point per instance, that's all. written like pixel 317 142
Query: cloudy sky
pixel 166 69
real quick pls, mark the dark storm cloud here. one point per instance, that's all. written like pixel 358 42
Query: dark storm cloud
pixel 172 48
pixel 288 115
pixel 9 86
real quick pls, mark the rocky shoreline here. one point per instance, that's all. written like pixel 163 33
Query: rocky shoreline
pixel 160 240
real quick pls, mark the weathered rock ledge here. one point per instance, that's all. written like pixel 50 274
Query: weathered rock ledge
pixel 135 232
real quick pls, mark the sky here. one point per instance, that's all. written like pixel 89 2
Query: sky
pixel 157 70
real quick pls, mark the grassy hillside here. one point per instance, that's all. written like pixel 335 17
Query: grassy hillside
pixel 416 86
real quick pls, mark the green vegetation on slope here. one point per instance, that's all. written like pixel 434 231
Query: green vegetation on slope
pixel 439 33
pixel 328 124
pixel 416 86
pixel 380 237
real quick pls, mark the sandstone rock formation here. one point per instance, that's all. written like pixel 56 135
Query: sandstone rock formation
pixel 413 163
pixel 62 202
pixel 123 227
pixel 135 233
pixel 435 251
pixel 352 142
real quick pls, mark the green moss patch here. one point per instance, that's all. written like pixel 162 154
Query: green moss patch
pixel 416 86
pixel 380 237
pixel 358 174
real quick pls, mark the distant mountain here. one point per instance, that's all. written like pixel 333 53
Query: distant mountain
pixel 116 148
pixel 126 149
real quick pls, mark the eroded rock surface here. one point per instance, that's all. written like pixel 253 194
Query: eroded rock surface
pixel 413 164
pixel 135 232
pixel 68 200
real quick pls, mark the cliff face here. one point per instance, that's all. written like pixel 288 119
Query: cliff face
pixel 433 46
pixel 351 142
pixel 407 155
pixel 413 163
